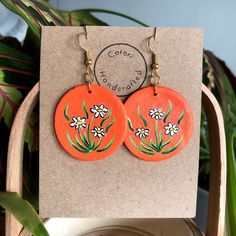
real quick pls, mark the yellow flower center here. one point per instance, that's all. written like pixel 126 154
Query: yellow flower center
pixel 157 113
pixel 171 129
pixel 142 131
pixel 99 131
pixel 100 110
pixel 80 122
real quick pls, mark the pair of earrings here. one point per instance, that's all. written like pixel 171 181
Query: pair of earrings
pixel 91 122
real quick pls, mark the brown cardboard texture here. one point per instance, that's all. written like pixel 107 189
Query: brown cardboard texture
pixel 120 185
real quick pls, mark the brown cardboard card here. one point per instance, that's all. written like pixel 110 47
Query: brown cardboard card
pixel 120 185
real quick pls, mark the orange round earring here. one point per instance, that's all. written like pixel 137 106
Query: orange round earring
pixel 90 121
pixel 160 121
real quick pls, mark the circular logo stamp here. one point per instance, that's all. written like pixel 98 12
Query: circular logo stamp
pixel 120 67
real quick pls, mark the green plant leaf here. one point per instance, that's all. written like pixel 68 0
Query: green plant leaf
pixel 141 117
pixel 231 183
pixel 204 151
pixel 18 74
pixel 173 148
pixel 219 79
pixel 81 17
pixel 12 42
pixel 23 212
pixel 66 112
pixel 110 124
pixel 168 112
pixel 31 133
pixel 36 14
pixel 107 146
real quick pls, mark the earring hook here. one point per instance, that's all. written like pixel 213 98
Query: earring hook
pixel 78 38
pixel 149 41
pixel 89 75
pixel 154 76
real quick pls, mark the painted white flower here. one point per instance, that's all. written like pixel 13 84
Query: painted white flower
pixel 99 110
pixel 98 132
pixel 156 113
pixel 171 129
pixel 78 123
pixel 142 133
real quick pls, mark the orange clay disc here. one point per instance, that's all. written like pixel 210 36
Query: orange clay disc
pixel 90 126
pixel 159 126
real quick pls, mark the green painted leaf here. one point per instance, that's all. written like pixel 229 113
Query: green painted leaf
pixel 161 139
pixel 146 147
pixel 85 109
pixel 23 212
pixel 80 145
pixel 140 149
pixel 92 145
pixel 73 145
pixel 98 144
pixel 107 146
pixel 166 143
pixel 130 124
pixel 173 148
pixel 151 144
pixel 106 118
pixel 141 117
pixel 168 112
pixel 89 130
pixel 181 117
pixel 66 112
pixel 155 147
pixel 156 132
pixel 110 124
pixel 84 139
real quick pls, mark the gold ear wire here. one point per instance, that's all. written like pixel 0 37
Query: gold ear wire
pixel 89 75
pixel 149 44
pixel 154 77
pixel 149 41
pixel 78 42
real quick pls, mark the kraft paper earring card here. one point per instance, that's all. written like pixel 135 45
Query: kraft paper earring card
pixel 130 182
